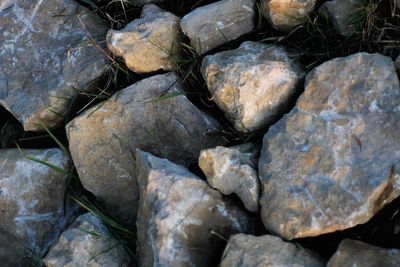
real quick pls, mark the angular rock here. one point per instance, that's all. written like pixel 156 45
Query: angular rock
pixel 31 203
pixel 87 242
pixel 232 170
pixel 150 43
pixel 356 253
pixel 100 140
pixel 284 15
pixel 333 161
pixel 46 58
pixel 181 219
pixel 215 24
pixel 262 251
pixel 252 84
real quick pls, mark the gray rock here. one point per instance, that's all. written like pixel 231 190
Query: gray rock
pixel 332 162
pixel 232 170
pixel 87 242
pixel 100 140
pixel 31 203
pixel 266 251
pixel 150 43
pixel 397 65
pixel 356 253
pixel 252 84
pixel 46 58
pixel 215 24
pixel 181 220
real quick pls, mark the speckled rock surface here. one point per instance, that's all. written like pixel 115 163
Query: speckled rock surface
pixel 213 25
pixel 46 58
pixel 266 251
pixel 150 43
pixel 100 139
pixel 252 84
pixel 180 216
pixel 333 161
pixel 86 242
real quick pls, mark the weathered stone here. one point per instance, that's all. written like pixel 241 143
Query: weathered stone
pixel 356 253
pixel 266 251
pixel 215 24
pixel 150 43
pixel 87 242
pixel 252 84
pixel 31 203
pixel 333 161
pixel 100 139
pixel 46 57
pixel 284 15
pixel 181 220
pixel 232 170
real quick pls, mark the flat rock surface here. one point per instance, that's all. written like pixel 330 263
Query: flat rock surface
pixel 333 161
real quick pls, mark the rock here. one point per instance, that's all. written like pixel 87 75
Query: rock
pixel 101 138
pixel 232 170
pixel 46 58
pixel 181 220
pixel 397 65
pixel 262 251
pixel 284 15
pixel 252 84
pixel 356 253
pixel 150 43
pixel 32 211
pixel 332 162
pixel 87 242
pixel 215 24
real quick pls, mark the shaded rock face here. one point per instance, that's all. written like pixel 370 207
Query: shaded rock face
pixel 284 15
pixel 333 161
pixel 100 139
pixel 180 216
pixel 31 203
pixel 86 242
pixel 397 64
pixel 356 253
pixel 46 43
pixel 213 25
pixel 232 170
pixel 252 84
pixel 266 251
pixel 150 43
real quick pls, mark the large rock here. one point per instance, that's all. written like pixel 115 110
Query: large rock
pixel 87 242
pixel 32 213
pixel 150 43
pixel 356 253
pixel 252 84
pixel 215 24
pixel 233 170
pixel 100 140
pixel 181 220
pixel 266 251
pixel 333 161
pixel 46 57
pixel 284 15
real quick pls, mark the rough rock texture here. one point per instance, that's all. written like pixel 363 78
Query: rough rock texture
pixel 232 170
pixel 252 84
pixel 31 203
pixel 266 251
pixel 86 242
pixel 356 253
pixel 181 219
pixel 150 43
pixel 46 58
pixel 100 139
pixel 284 15
pixel 333 161
pixel 213 25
